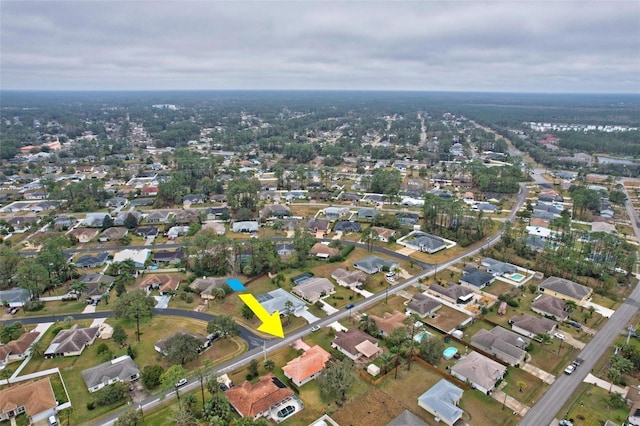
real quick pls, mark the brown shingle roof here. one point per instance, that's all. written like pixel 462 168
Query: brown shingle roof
pixel 250 400
pixel 348 340
pixel 36 397
pixel 389 322
pixel 22 343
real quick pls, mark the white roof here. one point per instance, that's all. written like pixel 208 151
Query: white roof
pixel 138 256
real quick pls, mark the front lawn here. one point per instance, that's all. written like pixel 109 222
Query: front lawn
pixel 589 405
pixel 532 388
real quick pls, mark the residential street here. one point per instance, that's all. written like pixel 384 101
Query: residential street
pixel 559 392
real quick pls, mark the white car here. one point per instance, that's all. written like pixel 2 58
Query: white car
pixel 570 369
pixel 315 328
pixel 559 336
pixel 181 382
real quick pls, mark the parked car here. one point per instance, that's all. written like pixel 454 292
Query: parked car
pixel 315 328
pixel 559 336
pixel 570 369
pixel 577 361
pixel 181 382
pixel 350 306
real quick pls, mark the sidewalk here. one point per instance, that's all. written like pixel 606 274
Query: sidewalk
pixel 514 405
pixel 606 385
pixel 539 373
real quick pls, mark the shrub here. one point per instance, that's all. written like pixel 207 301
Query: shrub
pixel 91 405
pixel 111 394
pixel 33 305
pixel 102 348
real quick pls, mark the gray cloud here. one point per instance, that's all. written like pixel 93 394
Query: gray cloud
pixel 496 46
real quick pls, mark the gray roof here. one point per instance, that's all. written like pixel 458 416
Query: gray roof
pixel 427 240
pixel 476 277
pixel 14 295
pixel 533 324
pixel 565 287
pixel 441 398
pixel 453 291
pixel 122 368
pixel 407 418
pixel 346 226
pixel 500 340
pixel 246 226
pixel 89 260
pixel 72 340
pixel 275 301
pixel 550 305
pixel 479 369
pixel 422 304
pixel 498 266
pixel 374 262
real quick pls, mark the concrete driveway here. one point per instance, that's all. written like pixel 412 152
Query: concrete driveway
pixel 163 302
pixel 605 312
pixel 308 316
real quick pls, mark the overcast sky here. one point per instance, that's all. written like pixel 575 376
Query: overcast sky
pixel 541 46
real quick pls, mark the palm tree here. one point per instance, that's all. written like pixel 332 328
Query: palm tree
pixel 570 306
pixel 105 297
pixel 386 359
pixel 521 385
pixel 5 374
pixel 288 305
pixel 78 286
pixel 37 349
pixel 269 364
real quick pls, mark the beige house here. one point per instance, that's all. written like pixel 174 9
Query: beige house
pixel 565 289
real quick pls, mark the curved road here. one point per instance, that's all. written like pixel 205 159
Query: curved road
pixel 261 347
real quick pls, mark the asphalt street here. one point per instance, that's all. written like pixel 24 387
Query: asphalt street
pixel 546 409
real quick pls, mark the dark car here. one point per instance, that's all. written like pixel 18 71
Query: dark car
pixel 350 306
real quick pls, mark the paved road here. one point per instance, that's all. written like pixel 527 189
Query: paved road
pixel 253 340
pixel 274 344
pixel 557 395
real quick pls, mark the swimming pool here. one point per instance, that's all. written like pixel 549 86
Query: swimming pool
pixel 418 338
pixel 449 353
pixel 516 277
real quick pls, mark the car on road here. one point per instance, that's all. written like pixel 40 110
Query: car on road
pixel 570 369
pixel 577 361
pixel 350 306
pixel 181 382
pixel 559 336
pixel 315 328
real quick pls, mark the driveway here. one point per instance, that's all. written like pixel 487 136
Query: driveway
pixel 605 312
pixel 304 313
pixel 163 302
pixel 539 373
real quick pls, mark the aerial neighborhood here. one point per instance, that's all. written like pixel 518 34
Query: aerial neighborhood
pixel 427 262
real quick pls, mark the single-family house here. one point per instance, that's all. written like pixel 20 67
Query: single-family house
pixel 21 224
pixel 94 220
pixel 275 210
pixel 92 261
pixel 349 278
pixel 247 226
pixel 504 344
pixel 550 306
pixel 186 217
pixel 15 297
pixel 307 366
pixel 317 226
pixel 17 349
pixel 193 199
pixel 285 249
pixel 475 278
pixel 356 345
pixel 114 233
pixel 262 399
pixel 97 285
pixel 164 283
pixel 405 418
pixel 424 242
pixel 453 293
pixel 314 289
pixel 121 369
pixel 158 216
pixel 147 231
pixel 206 285
pixel 276 300
pixel 480 371
pixel 498 268
pixel 33 398
pixel 383 234
pixel 214 213
pixel 71 342
pixel 217 227
pixel 122 217
pixel 367 213
pixel 565 289
pixel 149 191
pixel 423 305
pixel 323 251
pixel 139 257
pixel 176 231
pixel 84 235
pixel 347 227
pixel 63 222
pixel 167 256
pixel 441 400
pixel 373 264
pixel 408 218
pixel 389 322
pixel 335 213
pixel 531 326
pixel 116 202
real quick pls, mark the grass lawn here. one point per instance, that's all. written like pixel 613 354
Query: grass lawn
pixel 589 406
pixel 498 287
pixel 446 319
pixel 394 302
pixel 484 410
pixel 58 308
pixel 547 357
pixel 531 391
